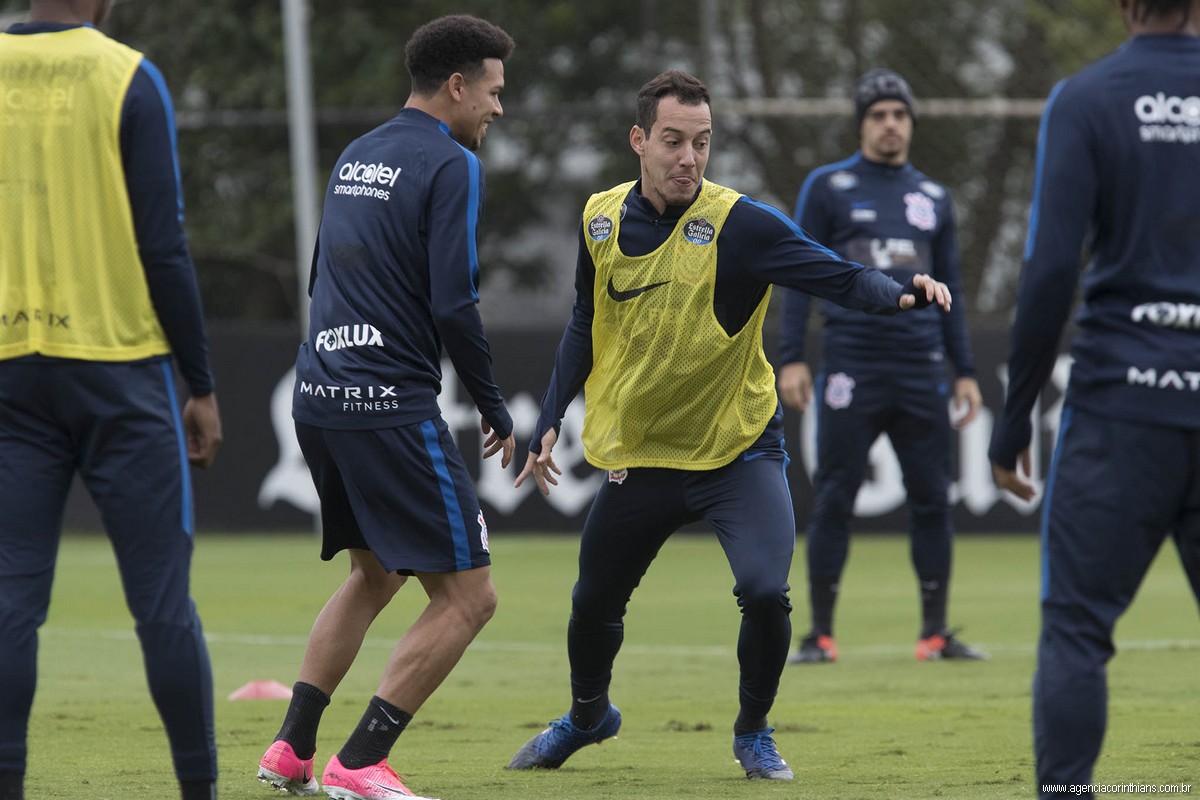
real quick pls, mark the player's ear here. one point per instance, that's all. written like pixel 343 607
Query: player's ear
pixel 456 84
pixel 637 140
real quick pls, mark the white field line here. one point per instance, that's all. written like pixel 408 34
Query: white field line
pixel 878 650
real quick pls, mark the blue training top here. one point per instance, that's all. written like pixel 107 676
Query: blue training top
pixel 758 246
pixel 897 219
pixel 395 277
pixel 1118 169
pixel 147 135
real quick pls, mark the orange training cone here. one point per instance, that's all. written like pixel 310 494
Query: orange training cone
pixel 262 690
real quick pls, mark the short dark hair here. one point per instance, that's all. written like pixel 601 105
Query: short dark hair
pixel 450 44
pixel 1162 8
pixel 685 88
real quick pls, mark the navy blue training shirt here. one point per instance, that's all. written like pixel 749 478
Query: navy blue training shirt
pixel 148 153
pixel 758 246
pixel 395 278
pixel 897 219
pixel 1118 170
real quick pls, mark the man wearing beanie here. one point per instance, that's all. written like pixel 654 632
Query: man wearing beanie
pixel 881 375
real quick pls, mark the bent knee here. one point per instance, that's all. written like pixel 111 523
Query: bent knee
pixel 474 602
pixel 484 603
pixel 374 589
pixel 767 599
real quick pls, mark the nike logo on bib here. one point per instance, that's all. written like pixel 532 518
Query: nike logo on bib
pixel 629 294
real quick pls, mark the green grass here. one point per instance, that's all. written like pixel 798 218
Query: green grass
pixel 875 725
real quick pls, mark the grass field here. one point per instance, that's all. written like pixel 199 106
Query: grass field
pixel 875 725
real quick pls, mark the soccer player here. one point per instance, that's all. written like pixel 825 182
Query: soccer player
pixel 395 279
pixel 1117 168
pixel 673 280
pixel 98 292
pixel 881 376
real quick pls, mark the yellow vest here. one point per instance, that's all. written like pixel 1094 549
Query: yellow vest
pixel 668 386
pixel 72 283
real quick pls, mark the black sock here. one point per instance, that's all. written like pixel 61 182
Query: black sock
pixel 587 713
pixel 12 786
pixel 302 719
pixel 748 723
pixel 198 790
pixel 934 592
pixel 376 734
pixel 822 596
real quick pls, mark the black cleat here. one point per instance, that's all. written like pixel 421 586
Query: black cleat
pixel 947 646
pixel 815 649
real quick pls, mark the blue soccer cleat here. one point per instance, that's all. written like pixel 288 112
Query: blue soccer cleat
pixel 550 748
pixel 757 754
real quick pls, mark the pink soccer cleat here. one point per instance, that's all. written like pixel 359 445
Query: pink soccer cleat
pixel 376 782
pixel 283 769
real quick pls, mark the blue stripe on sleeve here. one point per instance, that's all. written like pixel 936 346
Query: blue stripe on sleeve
pixel 187 517
pixel 806 187
pixel 794 227
pixel 1039 169
pixel 462 549
pixel 169 108
pixel 472 219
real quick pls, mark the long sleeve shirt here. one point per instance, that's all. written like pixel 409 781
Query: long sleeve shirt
pixel 758 246
pixel 894 218
pixel 395 279
pixel 1118 168
pixel 151 164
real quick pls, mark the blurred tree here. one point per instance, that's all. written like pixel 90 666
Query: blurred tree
pixel 569 106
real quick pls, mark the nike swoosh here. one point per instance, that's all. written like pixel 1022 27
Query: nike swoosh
pixel 391 719
pixel 629 294
pixel 390 789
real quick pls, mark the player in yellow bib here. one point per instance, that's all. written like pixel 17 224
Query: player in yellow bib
pixel 98 297
pixel 673 279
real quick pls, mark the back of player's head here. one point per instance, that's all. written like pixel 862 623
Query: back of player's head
pixel 450 44
pixel 881 84
pixel 95 10
pixel 1142 9
pixel 685 88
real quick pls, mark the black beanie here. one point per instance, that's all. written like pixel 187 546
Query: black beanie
pixel 881 84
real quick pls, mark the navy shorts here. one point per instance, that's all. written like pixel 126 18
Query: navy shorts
pixel 403 493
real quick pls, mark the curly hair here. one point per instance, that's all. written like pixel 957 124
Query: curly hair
pixel 450 44
pixel 676 83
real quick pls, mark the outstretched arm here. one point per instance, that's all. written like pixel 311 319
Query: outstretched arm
pixel 572 365
pixel 774 250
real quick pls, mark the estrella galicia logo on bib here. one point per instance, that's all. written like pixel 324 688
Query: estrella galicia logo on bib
pixel 699 231
pixel 600 228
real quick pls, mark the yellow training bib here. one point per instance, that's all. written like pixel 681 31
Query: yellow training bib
pixel 668 386
pixel 72 284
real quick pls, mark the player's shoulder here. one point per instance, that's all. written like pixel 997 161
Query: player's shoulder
pixel 934 190
pixel 838 176
pixel 1091 85
pixel 757 218
pixel 419 144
